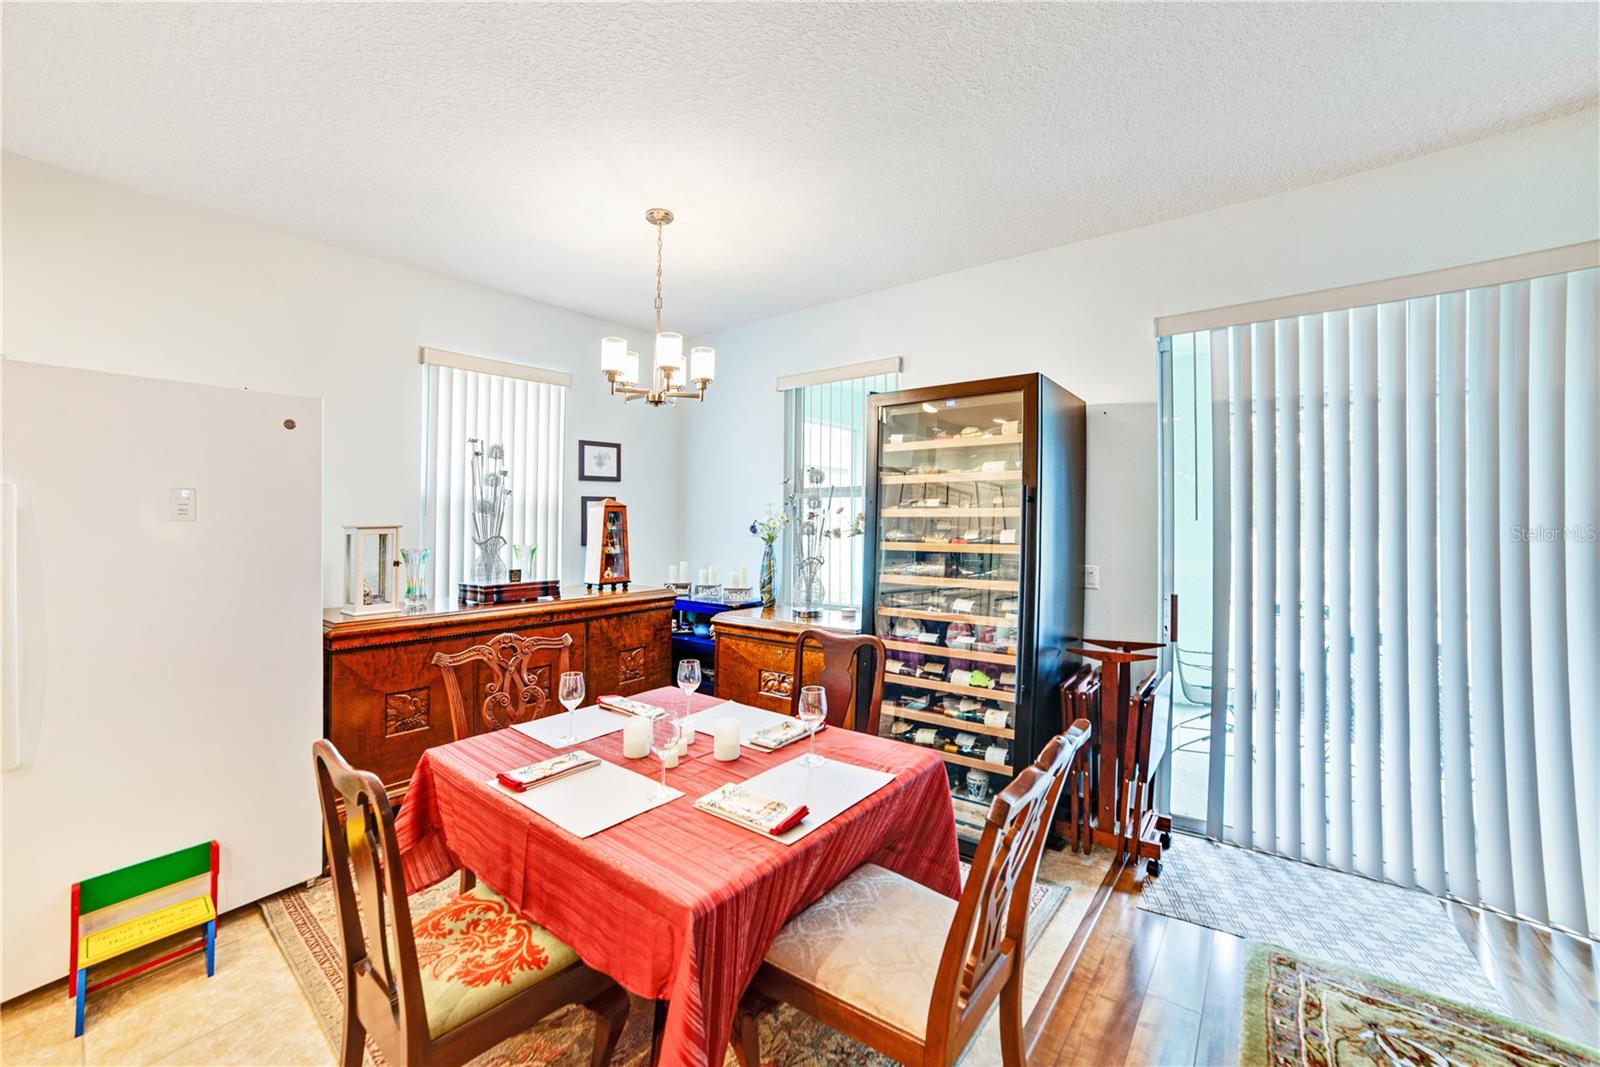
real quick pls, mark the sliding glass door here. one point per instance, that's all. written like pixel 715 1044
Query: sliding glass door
pixel 1380 526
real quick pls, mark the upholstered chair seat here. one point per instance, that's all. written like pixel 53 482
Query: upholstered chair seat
pixel 475 952
pixel 909 972
pixel 875 941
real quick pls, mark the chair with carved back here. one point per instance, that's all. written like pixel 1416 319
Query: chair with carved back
pixel 846 659
pixel 523 675
pixel 906 970
pixel 437 991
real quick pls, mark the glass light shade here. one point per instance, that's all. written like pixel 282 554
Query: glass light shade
pixel 669 352
pixel 613 351
pixel 629 375
pixel 702 364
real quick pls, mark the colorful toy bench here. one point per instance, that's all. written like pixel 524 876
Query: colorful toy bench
pixel 167 914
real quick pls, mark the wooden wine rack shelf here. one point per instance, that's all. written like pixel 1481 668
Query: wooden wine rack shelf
pixel 947 652
pixel 951 687
pixel 953 442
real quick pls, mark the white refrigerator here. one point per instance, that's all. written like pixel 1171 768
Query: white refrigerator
pixel 161 670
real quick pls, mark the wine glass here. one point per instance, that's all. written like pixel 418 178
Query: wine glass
pixel 688 681
pixel 571 695
pixel 664 734
pixel 813 709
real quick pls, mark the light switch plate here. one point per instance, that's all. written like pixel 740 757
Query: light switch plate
pixel 1091 576
pixel 181 505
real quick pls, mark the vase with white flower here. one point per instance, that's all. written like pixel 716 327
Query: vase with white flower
pixel 768 527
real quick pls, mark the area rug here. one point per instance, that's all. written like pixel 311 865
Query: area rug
pixel 1302 1011
pixel 1399 934
pixel 305 925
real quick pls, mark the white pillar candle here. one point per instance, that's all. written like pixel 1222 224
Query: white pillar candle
pixel 683 570
pixel 726 734
pixel 711 576
pixel 686 738
pixel 670 758
pixel 636 738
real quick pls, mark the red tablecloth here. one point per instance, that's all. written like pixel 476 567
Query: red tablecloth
pixel 674 903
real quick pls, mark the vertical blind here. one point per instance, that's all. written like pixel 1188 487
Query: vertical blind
pixel 527 419
pixel 1406 587
pixel 825 429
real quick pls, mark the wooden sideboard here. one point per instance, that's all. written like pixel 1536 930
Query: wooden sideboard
pixel 384 702
pixel 755 653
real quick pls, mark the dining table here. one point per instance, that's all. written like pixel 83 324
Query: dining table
pixel 674 904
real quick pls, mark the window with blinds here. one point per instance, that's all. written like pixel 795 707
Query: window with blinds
pixel 526 418
pixel 823 428
pixel 1382 531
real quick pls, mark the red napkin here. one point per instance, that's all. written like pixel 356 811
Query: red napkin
pixel 792 821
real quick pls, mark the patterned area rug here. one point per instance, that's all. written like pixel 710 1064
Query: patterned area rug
pixel 1399 934
pixel 1301 1011
pixel 305 924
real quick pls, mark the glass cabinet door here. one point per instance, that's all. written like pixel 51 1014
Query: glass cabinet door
pixel 949 551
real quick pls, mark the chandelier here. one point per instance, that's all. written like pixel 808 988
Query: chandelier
pixel 670 380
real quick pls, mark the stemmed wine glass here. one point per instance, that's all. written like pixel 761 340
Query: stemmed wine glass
pixel 813 709
pixel 664 733
pixel 688 681
pixel 571 695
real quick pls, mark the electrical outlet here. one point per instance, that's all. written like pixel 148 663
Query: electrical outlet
pixel 1091 576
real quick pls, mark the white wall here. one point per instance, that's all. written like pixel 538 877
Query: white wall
pixel 102 277
pixel 1083 315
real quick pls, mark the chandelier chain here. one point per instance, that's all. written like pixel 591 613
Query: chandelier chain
pixel 660 227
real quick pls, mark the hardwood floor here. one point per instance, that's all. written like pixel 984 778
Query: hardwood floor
pixel 1151 990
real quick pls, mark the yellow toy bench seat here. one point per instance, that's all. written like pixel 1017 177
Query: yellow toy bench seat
pixel 127 884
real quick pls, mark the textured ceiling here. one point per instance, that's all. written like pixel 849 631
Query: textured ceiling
pixel 811 152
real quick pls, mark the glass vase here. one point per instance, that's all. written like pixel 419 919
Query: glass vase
pixel 490 566
pixel 808 592
pixel 416 561
pixel 768 574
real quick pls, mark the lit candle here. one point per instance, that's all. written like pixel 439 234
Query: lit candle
pixel 726 734
pixel 636 737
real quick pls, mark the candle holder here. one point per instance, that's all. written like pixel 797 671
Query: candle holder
pixel 707 592
pixel 737 593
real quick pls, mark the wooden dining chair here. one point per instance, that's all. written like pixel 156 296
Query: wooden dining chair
pixel 460 980
pixel 846 660
pixel 909 971
pixel 523 675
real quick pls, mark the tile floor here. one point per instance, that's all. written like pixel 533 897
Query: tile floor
pixel 252 1012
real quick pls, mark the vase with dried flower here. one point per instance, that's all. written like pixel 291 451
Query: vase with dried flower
pixel 816 520
pixel 491 500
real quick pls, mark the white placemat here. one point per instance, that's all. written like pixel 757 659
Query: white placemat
pixel 587 724
pixel 750 719
pixel 827 790
pixel 585 803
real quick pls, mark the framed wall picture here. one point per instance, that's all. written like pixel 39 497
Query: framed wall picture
pixel 599 461
pixel 583 521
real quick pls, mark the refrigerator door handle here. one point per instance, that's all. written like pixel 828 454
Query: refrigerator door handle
pixel 10 617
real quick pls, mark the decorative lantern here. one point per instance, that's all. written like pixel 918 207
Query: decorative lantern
pixel 372 577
